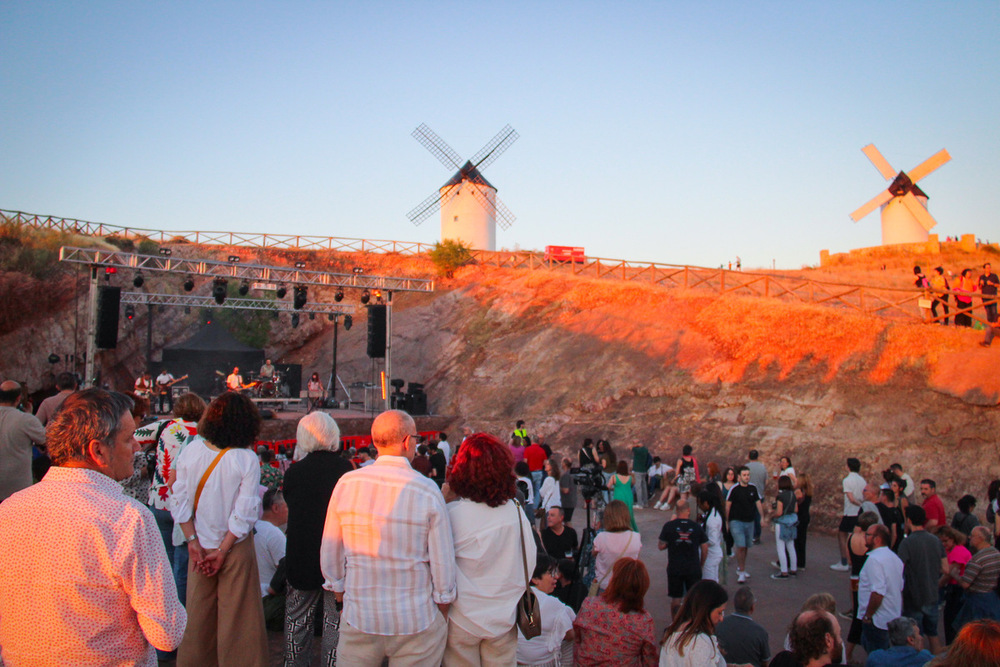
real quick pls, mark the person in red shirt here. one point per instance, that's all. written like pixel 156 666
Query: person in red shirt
pixel 534 456
pixel 932 504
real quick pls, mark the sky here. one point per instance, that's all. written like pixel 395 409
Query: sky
pixel 676 132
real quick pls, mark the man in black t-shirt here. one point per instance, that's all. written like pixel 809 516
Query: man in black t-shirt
pixel 741 503
pixel 988 283
pixel 686 545
pixel 558 539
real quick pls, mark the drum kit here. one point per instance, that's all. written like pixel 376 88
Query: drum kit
pixel 262 386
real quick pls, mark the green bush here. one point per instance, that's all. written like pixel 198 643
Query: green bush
pixel 148 247
pixel 450 255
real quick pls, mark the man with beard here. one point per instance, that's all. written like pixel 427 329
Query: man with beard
pixel 815 640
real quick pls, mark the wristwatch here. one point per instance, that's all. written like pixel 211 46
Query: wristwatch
pixel 194 536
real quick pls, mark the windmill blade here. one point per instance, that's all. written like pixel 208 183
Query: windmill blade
pixel 501 214
pixel 880 162
pixel 877 201
pixel 437 147
pixel 916 209
pixel 495 147
pixel 929 165
pixel 429 206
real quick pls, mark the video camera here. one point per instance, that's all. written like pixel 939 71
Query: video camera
pixel 590 480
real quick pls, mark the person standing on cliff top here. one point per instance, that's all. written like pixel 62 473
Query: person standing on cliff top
pixel 988 283
pixel 853 486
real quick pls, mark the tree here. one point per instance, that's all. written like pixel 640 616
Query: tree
pixel 449 255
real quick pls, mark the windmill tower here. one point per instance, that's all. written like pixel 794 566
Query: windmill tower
pixel 470 210
pixel 904 205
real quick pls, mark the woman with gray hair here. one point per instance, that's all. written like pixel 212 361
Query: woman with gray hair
pixel 309 484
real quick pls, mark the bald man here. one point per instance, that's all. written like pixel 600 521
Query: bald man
pixel 388 554
pixel 18 432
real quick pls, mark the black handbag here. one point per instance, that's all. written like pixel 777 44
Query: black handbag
pixel 529 618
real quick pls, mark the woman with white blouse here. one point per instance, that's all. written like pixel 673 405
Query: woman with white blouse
pixel 616 540
pixel 489 529
pixel 556 641
pixel 548 494
pixel 225 613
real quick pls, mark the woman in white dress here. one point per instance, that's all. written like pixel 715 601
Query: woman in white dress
pixel 689 640
pixel 710 505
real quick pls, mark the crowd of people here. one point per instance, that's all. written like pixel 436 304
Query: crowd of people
pixel 942 285
pixel 184 544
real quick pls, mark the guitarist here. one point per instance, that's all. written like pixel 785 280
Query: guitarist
pixel 144 385
pixel 235 381
pixel 163 382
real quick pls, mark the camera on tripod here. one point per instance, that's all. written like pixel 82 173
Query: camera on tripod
pixel 589 479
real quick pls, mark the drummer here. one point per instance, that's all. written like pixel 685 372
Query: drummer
pixel 235 381
pixel 267 371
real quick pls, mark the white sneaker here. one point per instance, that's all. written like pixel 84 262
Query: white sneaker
pixel 741 577
pixel 656 506
pixel 840 567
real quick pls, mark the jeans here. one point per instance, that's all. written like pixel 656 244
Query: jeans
pixel 639 486
pixel 536 480
pixel 756 525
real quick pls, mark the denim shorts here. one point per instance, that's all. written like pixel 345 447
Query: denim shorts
pixel 926 618
pixel 742 532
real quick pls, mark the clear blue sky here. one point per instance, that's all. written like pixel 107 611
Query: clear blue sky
pixel 681 132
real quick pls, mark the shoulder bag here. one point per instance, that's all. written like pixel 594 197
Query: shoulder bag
pixel 204 478
pixel 529 618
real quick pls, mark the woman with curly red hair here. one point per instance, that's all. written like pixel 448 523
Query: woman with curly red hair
pixel 489 530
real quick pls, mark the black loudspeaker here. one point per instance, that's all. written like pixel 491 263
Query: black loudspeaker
pixel 416 403
pixel 376 331
pixel 108 299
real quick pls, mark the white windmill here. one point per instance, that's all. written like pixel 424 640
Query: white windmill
pixel 904 205
pixel 470 210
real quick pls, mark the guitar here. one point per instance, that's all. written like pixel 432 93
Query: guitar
pixel 164 386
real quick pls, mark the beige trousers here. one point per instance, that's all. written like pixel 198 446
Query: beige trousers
pixel 225 614
pixel 359 649
pixel 466 650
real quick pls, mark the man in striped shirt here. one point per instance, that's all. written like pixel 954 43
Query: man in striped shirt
pixel 388 554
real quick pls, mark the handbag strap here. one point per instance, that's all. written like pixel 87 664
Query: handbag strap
pixel 204 478
pixel 630 534
pixel 524 553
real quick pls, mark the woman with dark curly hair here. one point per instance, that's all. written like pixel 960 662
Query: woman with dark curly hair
pixel 489 530
pixel 215 502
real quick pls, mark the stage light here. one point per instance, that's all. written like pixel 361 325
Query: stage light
pixel 312 316
pixel 53 358
pixel 378 296
pixel 234 259
pixel 138 280
pixel 219 286
pixel 108 270
pixel 188 284
pixel 358 269
pixel 365 297
pixel 330 317
pixel 281 292
pixel 244 288
pixel 295 320
pixel 129 312
pixel 166 252
pixel 339 296
pixel 348 322
pixel 299 297
pixel 300 265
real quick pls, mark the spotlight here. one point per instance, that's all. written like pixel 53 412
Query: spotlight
pixel 281 292
pixel 339 296
pixel 358 269
pixel 300 265
pixel 219 286
pixel 378 296
pixel 330 317
pixel 312 316
pixel 166 252
pixel 348 322
pixel 295 320
pixel 299 297
pixel 365 297
pixel 188 284
pixel 108 270
pixel 54 358
pixel 187 310
pixel 129 311
pixel 138 280
pixel 234 259
pixel 244 288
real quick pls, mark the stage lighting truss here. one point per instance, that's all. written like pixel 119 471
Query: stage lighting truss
pixel 234 303
pixel 281 275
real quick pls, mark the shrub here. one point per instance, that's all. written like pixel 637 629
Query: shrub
pixel 449 256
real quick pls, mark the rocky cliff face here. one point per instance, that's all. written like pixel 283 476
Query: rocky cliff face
pixel 582 358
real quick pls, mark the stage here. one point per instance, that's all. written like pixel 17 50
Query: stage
pixel 280 426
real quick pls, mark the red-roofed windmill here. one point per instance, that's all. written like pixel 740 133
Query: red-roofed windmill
pixel 470 210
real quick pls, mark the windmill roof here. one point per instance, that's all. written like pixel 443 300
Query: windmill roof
pixel 468 172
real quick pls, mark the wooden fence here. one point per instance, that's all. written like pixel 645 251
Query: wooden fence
pixel 891 302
